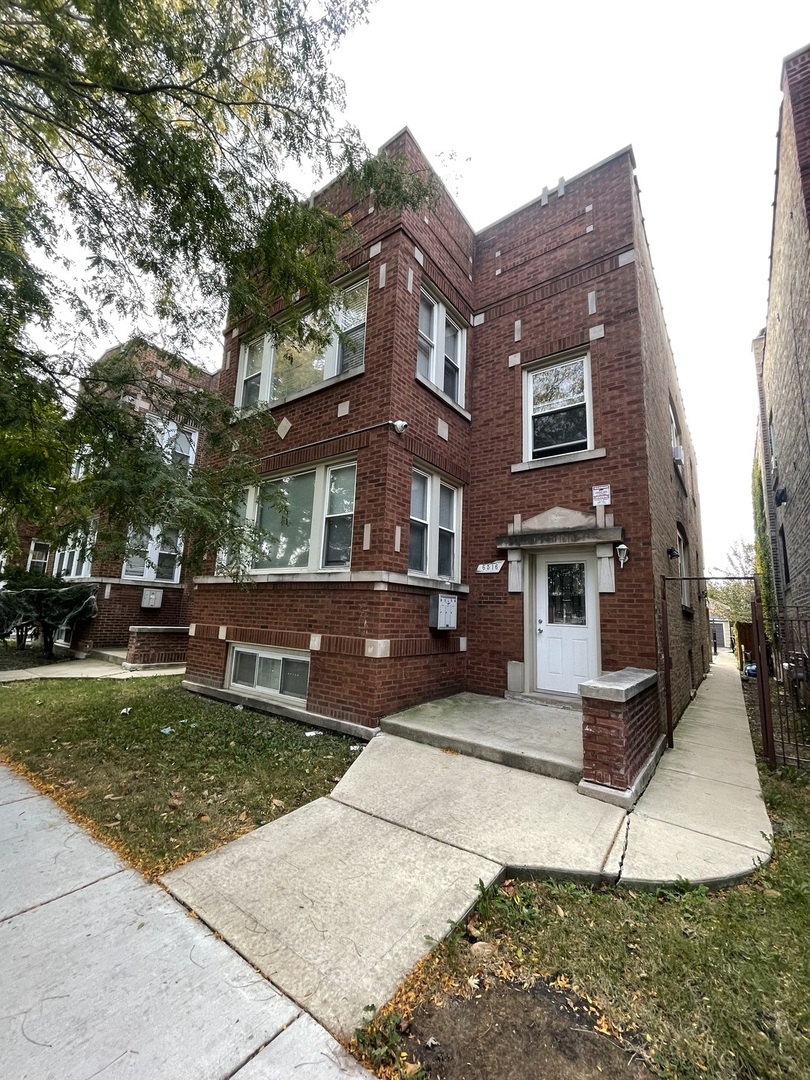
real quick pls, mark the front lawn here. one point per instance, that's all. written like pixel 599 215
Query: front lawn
pixel 696 984
pixel 161 774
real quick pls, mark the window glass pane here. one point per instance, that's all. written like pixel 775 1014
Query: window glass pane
pixel 419 496
pixel 423 358
pixel 450 386
pixel 166 568
pixel 353 314
pixel 269 673
pixel 417 547
pixel 294 677
pixel 446 544
pixel 555 432
pixel 244 668
pixel 447 507
pixel 566 594
pixel 341 490
pixel 254 358
pixel 181 447
pixel 452 337
pixel 135 566
pixel 426 312
pixel 296 367
pixel 291 527
pixel 555 387
pixel 338 541
pixel 352 349
pixel 250 391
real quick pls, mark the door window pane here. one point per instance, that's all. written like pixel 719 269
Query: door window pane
pixel 566 594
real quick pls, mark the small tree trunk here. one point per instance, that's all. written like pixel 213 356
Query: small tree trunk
pixel 48 632
pixel 22 634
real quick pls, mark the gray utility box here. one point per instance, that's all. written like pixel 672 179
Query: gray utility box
pixel 443 612
pixel 152 598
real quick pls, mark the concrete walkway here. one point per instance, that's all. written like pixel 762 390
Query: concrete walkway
pixel 103 974
pixel 337 901
pixel 86 669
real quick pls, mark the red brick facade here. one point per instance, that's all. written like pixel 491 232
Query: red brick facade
pixel 782 353
pixel 566 276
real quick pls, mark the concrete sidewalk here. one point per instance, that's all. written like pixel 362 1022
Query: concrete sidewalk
pixel 85 669
pixel 337 901
pixel 103 973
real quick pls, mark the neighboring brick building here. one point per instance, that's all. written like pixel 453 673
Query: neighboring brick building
pixel 782 351
pixel 531 365
pixel 141 592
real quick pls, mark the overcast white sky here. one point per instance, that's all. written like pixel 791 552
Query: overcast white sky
pixel 530 92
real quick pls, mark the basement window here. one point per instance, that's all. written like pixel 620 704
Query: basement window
pixel 270 673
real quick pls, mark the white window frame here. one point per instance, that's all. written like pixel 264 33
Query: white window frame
pixel 316 561
pixel 268 654
pixel 70 556
pixel 433 527
pixel 434 355
pixel 167 432
pixel 31 560
pixel 528 405
pixel 154 549
pixel 331 357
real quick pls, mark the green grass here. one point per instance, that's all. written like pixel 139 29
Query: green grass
pixel 159 797
pixel 706 985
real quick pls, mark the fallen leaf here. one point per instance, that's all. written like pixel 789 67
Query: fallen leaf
pixel 243 816
pixel 411 1068
pixel 474 981
pixel 279 805
pixel 483 950
pixel 204 818
pixel 174 804
pixel 560 912
pixel 113 798
pixel 431 1043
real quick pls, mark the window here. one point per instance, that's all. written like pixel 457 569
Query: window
pixel 308 516
pixel 38 557
pixel 435 536
pixel 155 556
pixel 558 408
pixel 271 371
pixel 268 672
pixel 72 562
pixel 683 570
pixel 179 444
pixel 783 549
pixel 441 348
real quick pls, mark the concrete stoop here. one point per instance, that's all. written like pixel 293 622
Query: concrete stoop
pixel 518 732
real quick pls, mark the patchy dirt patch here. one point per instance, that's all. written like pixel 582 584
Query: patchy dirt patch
pixel 522 1034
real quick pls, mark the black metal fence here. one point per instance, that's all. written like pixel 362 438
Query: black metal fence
pixel 790 693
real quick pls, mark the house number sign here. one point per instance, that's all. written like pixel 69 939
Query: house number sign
pixel 489 567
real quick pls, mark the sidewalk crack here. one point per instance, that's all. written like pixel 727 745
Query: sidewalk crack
pixel 624 847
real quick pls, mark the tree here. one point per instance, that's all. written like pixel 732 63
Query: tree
pixel 763 560
pixel 31 599
pixel 732 599
pixel 142 157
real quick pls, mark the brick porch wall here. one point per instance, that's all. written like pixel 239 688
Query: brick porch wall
pixel 619 736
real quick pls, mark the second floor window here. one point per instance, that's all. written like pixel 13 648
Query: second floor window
pixel 270 371
pixel 38 557
pixel 441 348
pixel 557 408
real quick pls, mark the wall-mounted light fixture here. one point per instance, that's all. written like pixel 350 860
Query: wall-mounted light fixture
pixel 622 554
pixel 673 553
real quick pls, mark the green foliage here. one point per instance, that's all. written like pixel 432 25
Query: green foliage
pixel 763 560
pixel 379 1040
pixel 32 599
pixel 732 599
pixel 142 157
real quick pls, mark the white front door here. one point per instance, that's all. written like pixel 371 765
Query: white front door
pixel 567 622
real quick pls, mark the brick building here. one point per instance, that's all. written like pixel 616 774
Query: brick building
pixel 782 352
pixel 146 591
pixel 443 461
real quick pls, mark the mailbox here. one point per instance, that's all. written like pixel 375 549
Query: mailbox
pixel 152 598
pixel 443 612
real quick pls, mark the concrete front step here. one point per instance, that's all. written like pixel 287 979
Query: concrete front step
pixel 536 738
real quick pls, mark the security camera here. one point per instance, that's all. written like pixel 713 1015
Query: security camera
pixel 400 426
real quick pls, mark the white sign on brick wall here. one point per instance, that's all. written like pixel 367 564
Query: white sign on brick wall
pixel 601 494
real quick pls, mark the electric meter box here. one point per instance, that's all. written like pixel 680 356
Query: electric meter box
pixel 152 598
pixel 443 612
